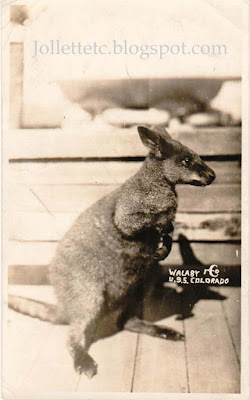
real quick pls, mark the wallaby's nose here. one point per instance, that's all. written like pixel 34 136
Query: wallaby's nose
pixel 211 176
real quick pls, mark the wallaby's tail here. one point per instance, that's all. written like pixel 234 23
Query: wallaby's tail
pixel 35 309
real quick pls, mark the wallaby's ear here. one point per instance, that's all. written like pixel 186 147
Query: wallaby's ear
pixel 154 139
pixel 162 131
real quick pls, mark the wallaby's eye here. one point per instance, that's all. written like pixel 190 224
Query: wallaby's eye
pixel 187 161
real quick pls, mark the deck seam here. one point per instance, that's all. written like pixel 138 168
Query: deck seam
pixel 135 360
pixel 185 351
pixel 78 383
pixel 230 332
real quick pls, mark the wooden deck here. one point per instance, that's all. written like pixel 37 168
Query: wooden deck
pixel 208 361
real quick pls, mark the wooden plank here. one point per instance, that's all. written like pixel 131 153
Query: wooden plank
pixel 41 253
pixel 38 274
pixel 53 370
pixel 206 227
pixel 211 359
pixel 100 172
pixel 34 226
pixel 160 364
pixel 31 253
pixel 39 226
pixel 215 198
pixel 16 84
pixel 28 275
pixel 76 198
pixel 57 198
pixel 106 141
pixel 23 338
pixel 115 357
pixel 232 310
pixel 40 293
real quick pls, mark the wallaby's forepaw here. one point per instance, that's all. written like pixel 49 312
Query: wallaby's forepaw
pixel 169 334
pixel 161 253
pixel 84 363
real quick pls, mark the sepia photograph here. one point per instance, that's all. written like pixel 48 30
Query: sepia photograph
pixel 125 199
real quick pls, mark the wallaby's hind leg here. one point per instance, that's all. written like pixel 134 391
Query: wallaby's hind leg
pixel 142 326
pixel 84 323
pixel 80 339
pixel 132 318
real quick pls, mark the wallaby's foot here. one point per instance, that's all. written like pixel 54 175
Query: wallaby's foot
pixel 166 333
pixel 84 363
pixel 142 326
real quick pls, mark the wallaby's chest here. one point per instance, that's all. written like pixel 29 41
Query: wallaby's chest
pixel 133 261
pixel 134 258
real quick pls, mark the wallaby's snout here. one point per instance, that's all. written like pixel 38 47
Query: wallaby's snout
pixel 201 174
pixel 210 175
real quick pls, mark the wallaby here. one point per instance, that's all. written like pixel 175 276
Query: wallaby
pixel 102 262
